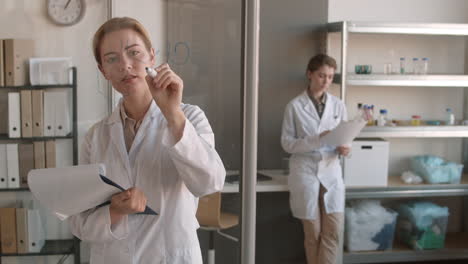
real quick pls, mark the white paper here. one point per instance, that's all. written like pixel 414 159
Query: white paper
pixel 344 133
pixel 71 190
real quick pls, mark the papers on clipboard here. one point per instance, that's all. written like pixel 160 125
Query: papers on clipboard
pixel 344 133
pixel 72 190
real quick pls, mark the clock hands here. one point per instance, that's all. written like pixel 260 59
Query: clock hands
pixel 66 5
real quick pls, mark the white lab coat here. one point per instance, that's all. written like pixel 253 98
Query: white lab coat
pixel 171 176
pixel 312 163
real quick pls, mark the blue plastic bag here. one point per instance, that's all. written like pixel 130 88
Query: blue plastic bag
pixel 434 169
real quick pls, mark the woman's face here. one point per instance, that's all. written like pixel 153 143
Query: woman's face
pixel 321 79
pixel 124 57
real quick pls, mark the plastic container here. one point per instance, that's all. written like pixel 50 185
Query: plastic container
pixel 422 225
pixel 415 120
pixel 425 66
pixel 434 169
pixel 402 65
pixel 450 119
pixel 382 120
pixel 369 226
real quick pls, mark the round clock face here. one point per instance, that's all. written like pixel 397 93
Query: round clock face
pixel 65 12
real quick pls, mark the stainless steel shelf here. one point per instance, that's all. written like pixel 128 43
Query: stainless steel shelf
pixel 397 189
pixel 415 131
pixel 401 28
pixel 456 247
pixel 404 80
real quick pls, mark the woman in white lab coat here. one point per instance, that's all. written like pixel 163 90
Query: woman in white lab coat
pixel 315 181
pixel 159 149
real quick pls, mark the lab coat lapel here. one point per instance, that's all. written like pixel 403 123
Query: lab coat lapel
pixel 327 114
pixel 117 139
pixel 147 120
pixel 309 106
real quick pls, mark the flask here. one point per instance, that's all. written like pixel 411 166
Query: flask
pixel 382 120
pixel 425 66
pixel 450 117
pixel 402 65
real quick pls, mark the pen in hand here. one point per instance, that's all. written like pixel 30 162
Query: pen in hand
pixel 151 72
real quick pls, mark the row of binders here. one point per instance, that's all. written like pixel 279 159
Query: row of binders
pixel 16 160
pixel 21 231
pixel 39 113
pixel 14 54
pixel 18 67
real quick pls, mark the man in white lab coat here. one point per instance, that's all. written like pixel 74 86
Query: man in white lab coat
pixel 160 150
pixel 315 181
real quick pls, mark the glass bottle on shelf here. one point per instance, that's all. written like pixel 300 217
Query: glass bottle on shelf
pixel 425 66
pixel 450 117
pixel 415 69
pixel 359 113
pixel 402 65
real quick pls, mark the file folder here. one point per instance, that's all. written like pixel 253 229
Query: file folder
pixel 49 114
pixel 14 121
pixel 38 113
pixel 51 159
pixel 17 54
pixel 8 230
pixel 36 233
pixel 26 113
pixel 4 129
pixel 2 64
pixel 22 239
pixel 39 155
pixel 3 167
pixel 62 102
pixel 72 190
pixel 26 157
pixel 12 166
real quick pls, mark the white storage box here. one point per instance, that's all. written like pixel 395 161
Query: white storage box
pixel 367 164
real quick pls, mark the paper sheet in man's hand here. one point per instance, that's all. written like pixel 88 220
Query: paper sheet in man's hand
pixel 344 133
pixel 72 190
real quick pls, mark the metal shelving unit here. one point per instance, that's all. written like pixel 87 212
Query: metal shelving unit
pixel 415 132
pixel 456 244
pixel 397 189
pixel 456 247
pixel 64 246
pixel 441 80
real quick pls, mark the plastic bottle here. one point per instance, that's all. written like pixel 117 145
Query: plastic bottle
pixel 450 118
pixel 415 69
pixel 382 120
pixel 425 66
pixel 402 65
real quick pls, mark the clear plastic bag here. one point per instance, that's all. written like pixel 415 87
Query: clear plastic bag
pixel 434 169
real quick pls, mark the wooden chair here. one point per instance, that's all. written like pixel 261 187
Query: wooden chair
pixel 211 219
